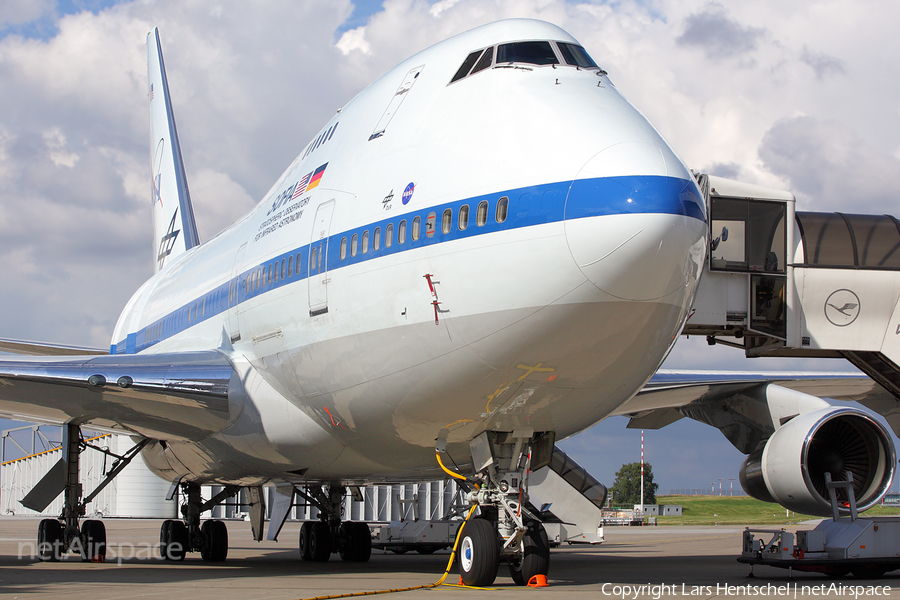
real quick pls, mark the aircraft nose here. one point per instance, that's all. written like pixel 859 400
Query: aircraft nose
pixel 636 237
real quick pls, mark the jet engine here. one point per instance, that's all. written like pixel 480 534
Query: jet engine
pixel 789 468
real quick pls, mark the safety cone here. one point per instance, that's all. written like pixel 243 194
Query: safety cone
pixel 538 581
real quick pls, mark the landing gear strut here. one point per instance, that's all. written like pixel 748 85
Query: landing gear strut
pixel 58 537
pixel 320 539
pixel 506 530
pixel 176 538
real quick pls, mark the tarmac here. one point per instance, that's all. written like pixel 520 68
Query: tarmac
pixel 635 563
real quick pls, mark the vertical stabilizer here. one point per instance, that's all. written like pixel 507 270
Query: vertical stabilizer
pixel 174 229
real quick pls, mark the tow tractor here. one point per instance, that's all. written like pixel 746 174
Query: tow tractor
pixel 867 547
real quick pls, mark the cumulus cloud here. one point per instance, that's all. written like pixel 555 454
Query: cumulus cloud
pixel 830 167
pixel 16 12
pixel 718 35
pixel 822 64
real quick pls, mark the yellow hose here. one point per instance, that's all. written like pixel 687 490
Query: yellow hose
pixel 449 562
pixel 415 587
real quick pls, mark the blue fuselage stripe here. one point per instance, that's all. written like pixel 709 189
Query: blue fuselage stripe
pixel 527 207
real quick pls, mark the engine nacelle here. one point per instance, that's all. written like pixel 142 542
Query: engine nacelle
pixel 789 468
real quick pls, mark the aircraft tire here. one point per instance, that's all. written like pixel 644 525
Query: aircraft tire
pixel 305 534
pixel 216 548
pixel 93 541
pixel 479 553
pixel 173 540
pixel 536 560
pixel 49 540
pixel 320 542
pixel 358 546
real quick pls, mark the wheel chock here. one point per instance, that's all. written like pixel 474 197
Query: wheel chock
pixel 538 581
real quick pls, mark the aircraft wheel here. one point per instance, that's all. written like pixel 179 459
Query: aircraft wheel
pixel 93 541
pixel 216 534
pixel 536 560
pixel 357 542
pixel 305 534
pixel 479 553
pixel 49 540
pixel 320 542
pixel 173 540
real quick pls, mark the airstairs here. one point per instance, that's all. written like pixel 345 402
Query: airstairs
pixel 565 497
pixel 780 282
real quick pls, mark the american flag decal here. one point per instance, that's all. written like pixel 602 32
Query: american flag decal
pixel 301 186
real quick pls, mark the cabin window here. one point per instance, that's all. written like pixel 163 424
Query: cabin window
pixel 275 274
pixel 312 256
pixel 291 265
pixel 502 209
pixel 354 241
pixel 463 220
pixel 576 56
pixel 365 242
pixel 430 224
pixel 388 235
pixel 298 264
pixel 447 220
pixel 416 226
pixel 532 53
pixel 376 238
pixel 401 232
pixel 481 215
pixel 343 248
pixel 203 308
pixel 259 273
pixel 283 267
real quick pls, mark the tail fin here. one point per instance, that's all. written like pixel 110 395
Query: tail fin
pixel 174 229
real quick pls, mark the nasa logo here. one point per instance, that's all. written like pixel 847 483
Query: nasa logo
pixel 408 192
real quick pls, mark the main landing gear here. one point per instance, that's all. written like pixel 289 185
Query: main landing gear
pixel 61 536
pixel 505 531
pixel 320 539
pixel 177 538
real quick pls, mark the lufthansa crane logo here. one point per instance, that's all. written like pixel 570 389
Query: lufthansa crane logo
pixel 842 308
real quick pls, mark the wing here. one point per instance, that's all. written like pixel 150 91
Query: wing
pixel 740 403
pixel 170 396
pixel 43 349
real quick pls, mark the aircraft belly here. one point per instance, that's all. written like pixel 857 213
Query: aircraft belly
pixel 384 429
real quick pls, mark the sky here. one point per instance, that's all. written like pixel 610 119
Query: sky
pixel 798 95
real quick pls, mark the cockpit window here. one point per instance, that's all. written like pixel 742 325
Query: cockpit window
pixel 576 56
pixel 466 66
pixel 532 53
pixel 486 59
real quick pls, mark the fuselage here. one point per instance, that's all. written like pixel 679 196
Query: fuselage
pixel 515 249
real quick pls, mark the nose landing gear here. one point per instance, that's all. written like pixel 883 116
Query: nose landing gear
pixel 506 531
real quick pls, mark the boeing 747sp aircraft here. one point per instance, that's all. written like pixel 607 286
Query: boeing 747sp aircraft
pixel 487 250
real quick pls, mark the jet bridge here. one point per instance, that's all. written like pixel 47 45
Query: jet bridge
pixel 780 282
